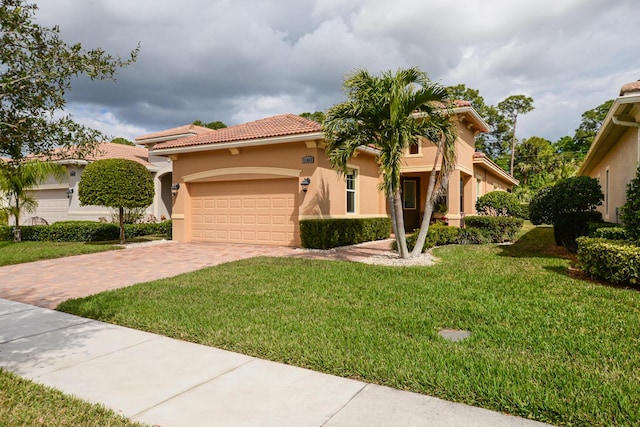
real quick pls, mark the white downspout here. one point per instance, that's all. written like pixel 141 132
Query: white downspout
pixel 619 122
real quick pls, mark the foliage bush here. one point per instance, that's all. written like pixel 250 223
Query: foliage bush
pixel 569 205
pixel 524 211
pixel 631 208
pixel 499 203
pixel 331 233
pixel 497 228
pixel 84 231
pixel 472 236
pixel 568 227
pixel 438 235
pixel 596 225
pixel 611 233
pixel 610 260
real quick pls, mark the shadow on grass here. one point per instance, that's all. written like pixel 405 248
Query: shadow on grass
pixel 536 243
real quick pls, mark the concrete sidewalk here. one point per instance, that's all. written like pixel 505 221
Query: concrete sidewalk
pixel 162 381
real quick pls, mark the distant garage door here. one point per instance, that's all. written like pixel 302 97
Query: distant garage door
pixel 257 211
pixel 53 206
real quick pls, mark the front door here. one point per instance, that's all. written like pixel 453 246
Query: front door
pixel 411 203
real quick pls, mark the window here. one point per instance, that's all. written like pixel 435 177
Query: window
pixel 409 199
pixel 414 149
pixel 478 188
pixel 351 191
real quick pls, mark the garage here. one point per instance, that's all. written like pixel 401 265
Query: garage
pixel 53 206
pixel 245 211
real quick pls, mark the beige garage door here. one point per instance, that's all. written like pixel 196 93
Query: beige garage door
pixel 260 211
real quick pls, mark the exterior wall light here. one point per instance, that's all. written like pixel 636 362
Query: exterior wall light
pixel 174 188
pixel 305 183
pixel 69 193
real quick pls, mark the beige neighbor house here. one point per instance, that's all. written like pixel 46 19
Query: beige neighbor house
pixel 254 182
pixel 615 151
pixel 58 201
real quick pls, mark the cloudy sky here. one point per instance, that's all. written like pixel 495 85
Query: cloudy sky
pixel 242 60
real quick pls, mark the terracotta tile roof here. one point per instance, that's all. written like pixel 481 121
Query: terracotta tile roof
pixel 104 150
pixel 282 125
pixel 109 150
pixel 630 87
pixel 180 130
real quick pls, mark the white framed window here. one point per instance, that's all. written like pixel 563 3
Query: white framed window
pixel 478 188
pixel 351 178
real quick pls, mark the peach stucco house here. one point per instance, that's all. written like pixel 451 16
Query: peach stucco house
pixel 254 182
pixel 615 151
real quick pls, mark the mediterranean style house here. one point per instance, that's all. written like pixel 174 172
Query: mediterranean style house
pixel 254 182
pixel 615 151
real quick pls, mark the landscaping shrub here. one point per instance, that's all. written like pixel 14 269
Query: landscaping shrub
pixel 499 203
pixel 6 233
pixel 438 235
pixel 611 260
pixel 331 233
pixel 472 236
pixel 569 205
pixel 596 225
pixel 524 211
pixel 631 209
pixel 497 228
pixel 84 231
pixel 611 233
pixel 568 227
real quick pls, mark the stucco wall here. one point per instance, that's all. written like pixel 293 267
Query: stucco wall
pixel 621 162
pixel 325 197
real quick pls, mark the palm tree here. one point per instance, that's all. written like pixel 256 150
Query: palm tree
pixel 17 179
pixel 389 112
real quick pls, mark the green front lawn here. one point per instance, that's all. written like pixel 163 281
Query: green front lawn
pixel 544 345
pixel 17 253
pixel 25 403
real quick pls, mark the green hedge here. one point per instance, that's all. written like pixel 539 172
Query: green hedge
pixel 611 233
pixel 611 260
pixel 85 231
pixel 569 226
pixel 331 233
pixel 498 229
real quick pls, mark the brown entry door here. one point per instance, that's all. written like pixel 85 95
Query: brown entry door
pixel 411 203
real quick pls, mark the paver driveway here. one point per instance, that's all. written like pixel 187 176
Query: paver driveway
pixel 49 282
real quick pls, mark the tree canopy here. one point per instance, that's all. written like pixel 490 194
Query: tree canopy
pixel 316 116
pixel 122 141
pixel 36 67
pixel 116 183
pixel 211 125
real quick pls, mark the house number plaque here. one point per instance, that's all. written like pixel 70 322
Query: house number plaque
pixel 308 159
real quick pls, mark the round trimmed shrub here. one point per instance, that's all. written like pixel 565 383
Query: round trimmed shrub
pixel 499 203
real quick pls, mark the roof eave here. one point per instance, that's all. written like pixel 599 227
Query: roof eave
pixel 237 144
pixel 486 162
pixel 600 140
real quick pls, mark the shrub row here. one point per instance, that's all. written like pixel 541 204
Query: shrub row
pixel 331 233
pixel 85 231
pixel 611 260
pixel 478 230
pixel 611 233
pixel 596 225
pixel 567 227
pixel 497 228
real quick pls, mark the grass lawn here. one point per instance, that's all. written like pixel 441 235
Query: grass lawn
pixel 17 253
pixel 544 345
pixel 25 403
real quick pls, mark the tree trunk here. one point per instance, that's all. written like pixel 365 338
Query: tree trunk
pixel 17 232
pixel 513 145
pixel 121 215
pixel 428 209
pixel 401 237
pixel 392 214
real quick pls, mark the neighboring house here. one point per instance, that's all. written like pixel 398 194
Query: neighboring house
pixel 58 201
pixel 615 151
pixel 254 182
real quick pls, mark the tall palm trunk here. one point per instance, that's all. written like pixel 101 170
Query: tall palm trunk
pixel 401 237
pixel 428 209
